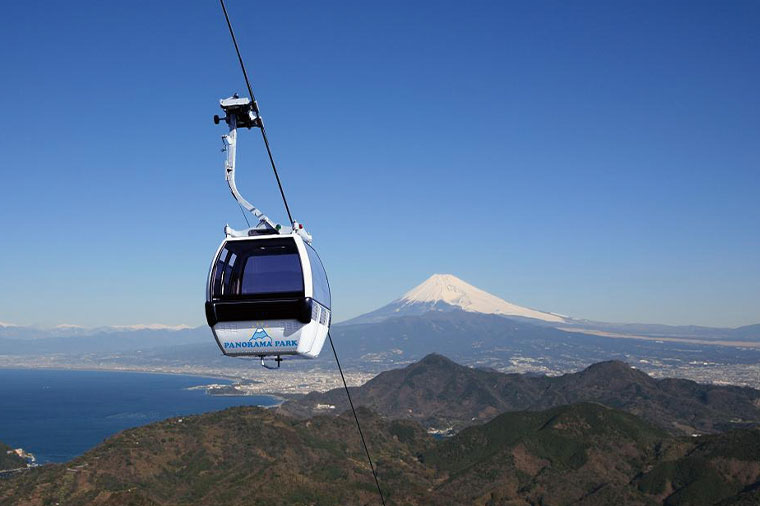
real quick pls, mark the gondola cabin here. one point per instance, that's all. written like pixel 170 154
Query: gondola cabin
pixel 268 296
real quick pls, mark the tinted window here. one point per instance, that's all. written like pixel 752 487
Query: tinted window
pixel 218 270
pixel 319 278
pixel 259 267
pixel 272 274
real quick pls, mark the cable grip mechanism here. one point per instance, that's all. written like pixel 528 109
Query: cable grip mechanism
pixel 242 112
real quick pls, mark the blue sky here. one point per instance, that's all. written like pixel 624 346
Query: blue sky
pixel 597 159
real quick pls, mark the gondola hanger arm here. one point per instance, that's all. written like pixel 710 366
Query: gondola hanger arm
pixel 242 112
pixel 239 112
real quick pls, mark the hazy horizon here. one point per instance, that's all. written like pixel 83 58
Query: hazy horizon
pixel 184 326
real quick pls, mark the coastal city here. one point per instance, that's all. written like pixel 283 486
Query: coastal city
pixel 299 377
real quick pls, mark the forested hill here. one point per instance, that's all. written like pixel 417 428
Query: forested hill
pixel 9 459
pixel 577 454
pixel 439 393
pixel 607 434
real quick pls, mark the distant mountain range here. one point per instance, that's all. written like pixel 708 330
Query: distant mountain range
pixel 440 393
pixel 62 331
pixel 33 341
pixel 445 292
pixel 448 316
pixel 582 453
pixel 439 293
pixel 442 315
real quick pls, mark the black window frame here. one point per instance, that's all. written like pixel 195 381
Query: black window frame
pixel 309 252
pixel 238 249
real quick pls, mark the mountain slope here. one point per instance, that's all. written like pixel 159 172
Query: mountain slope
pixel 578 454
pixel 434 391
pixel 440 393
pixel 716 469
pixel 748 332
pixel 9 459
pixel 589 454
pixel 558 456
pixel 462 334
pixel 444 292
pixel 239 456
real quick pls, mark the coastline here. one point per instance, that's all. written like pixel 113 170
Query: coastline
pixel 57 413
pixel 196 374
pixel 279 397
pixel 298 381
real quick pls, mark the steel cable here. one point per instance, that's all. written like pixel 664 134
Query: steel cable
pixel 290 217
pixel 256 110
pixel 358 425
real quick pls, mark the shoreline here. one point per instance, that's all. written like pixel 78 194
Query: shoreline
pixel 151 406
pixel 137 371
pixel 278 397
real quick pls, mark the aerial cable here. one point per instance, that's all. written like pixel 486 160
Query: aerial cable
pixel 358 425
pixel 245 216
pixel 255 107
pixel 256 110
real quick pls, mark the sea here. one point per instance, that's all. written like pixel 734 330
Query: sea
pixel 60 414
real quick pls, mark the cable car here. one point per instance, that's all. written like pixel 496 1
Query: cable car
pixel 267 294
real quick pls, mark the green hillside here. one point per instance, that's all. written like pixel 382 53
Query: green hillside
pixel 9 460
pixel 578 454
pixel 440 393
pixel 715 469
pixel 237 456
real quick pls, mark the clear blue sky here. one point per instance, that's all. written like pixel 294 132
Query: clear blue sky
pixel 597 159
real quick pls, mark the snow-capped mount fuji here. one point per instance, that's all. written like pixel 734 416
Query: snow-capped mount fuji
pixel 445 292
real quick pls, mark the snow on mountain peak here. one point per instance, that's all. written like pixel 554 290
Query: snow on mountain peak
pixel 455 292
pixel 151 326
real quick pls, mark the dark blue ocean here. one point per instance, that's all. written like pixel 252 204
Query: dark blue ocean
pixel 57 415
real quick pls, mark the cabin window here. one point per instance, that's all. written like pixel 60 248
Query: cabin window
pixel 218 287
pixel 318 278
pixel 259 268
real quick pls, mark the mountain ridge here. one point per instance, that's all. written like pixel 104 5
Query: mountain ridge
pixel 582 453
pixel 446 292
pixel 440 393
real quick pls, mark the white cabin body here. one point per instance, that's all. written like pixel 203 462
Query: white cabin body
pixel 268 296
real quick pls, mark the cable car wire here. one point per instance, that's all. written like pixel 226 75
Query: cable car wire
pixel 290 217
pixel 245 216
pixel 358 425
pixel 256 110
